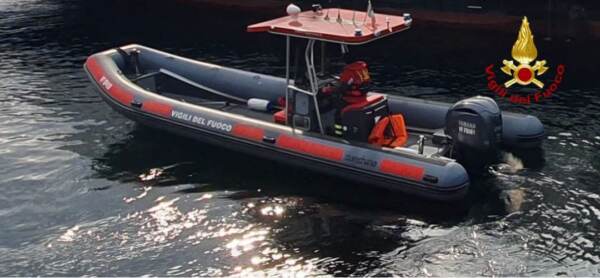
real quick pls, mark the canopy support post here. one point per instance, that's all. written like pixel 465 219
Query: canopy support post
pixel 309 56
pixel 312 78
pixel 287 77
pixel 322 58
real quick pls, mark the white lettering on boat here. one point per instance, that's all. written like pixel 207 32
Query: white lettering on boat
pixel 213 124
pixel 467 128
pixel 105 83
pixel 181 115
pixel 219 125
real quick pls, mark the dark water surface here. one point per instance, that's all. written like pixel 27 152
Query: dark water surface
pixel 85 191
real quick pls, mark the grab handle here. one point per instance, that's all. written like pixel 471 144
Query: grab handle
pixel 136 104
pixel 268 139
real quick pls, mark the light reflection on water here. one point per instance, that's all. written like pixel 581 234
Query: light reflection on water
pixel 165 224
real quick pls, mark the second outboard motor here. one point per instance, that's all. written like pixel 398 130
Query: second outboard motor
pixel 475 125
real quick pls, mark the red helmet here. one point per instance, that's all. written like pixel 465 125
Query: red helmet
pixel 356 74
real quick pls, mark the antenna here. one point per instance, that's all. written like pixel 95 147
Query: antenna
pixel 387 20
pixel 371 14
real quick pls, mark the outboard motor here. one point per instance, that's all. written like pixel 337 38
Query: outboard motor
pixel 475 125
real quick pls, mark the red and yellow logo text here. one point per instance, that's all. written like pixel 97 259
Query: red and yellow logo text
pixel 524 70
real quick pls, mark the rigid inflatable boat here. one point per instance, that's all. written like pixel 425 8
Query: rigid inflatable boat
pixel 328 124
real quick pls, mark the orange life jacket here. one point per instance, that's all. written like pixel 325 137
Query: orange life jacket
pixel 398 137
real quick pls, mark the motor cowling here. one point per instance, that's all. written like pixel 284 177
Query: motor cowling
pixel 475 125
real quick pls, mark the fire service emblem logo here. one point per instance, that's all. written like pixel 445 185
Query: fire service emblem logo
pixel 524 70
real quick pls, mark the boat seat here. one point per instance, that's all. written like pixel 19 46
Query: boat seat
pixel 383 136
pixel 359 115
pixel 356 103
